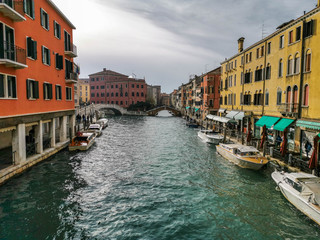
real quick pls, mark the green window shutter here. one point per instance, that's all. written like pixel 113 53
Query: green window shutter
pixel 57 60
pixel 61 61
pixel 29 47
pixel 24 6
pixel 49 57
pixel 44 91
pixel 36 89
pixel 42 50
pixel 14 87
pixel 47 23
pixel 1 86
pixel 28 89
pixel 32 9
pixel 60 91
pixel 41 17
pixel 35 50
pixel 50 91
pixel 57 92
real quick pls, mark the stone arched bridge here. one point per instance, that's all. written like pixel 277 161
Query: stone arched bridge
pixel 155 111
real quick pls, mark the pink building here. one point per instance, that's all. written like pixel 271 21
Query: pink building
pixel 108 87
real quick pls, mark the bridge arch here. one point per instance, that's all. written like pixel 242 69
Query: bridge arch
pixel 155 111
pixel 118 110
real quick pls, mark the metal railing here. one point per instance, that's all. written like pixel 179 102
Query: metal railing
pixel 72 76
pixel 12 52
pixel 16 5
pixel 288 108
pixel 71 48
pixel 31 149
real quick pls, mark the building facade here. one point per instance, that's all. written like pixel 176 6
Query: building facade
pixel 109 87
pixel 278 77
pixel 36 80
pixel 84 91
pixel 153 94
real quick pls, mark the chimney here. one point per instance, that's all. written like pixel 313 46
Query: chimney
pixel 106 69
pixel 240 43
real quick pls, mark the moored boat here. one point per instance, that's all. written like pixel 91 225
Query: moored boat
pixel 103 122
pixel 302 190
pixel 95 128
pixel 210 136
pixel 83 141
pixel 243 156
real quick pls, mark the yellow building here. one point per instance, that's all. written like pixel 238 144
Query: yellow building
pixel 277 77
pixel 84 90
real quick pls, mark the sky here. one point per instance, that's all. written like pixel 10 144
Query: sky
pixel 167 41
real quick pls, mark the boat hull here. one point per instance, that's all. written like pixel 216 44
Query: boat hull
pixel 81 147
pixel 210 139
pixel 244 163
pixel 301 203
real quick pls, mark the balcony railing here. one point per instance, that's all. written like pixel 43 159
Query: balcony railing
pixel 12 9
pixel 12 55
pixel 71 50
pixel 72 77
pixel 289 109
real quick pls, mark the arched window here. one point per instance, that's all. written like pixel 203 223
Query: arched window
pixel 306 95
pixel 267 98
pixel 296 63
pixel 268 71
pixel 290 65
pixel 111 94
pixel 126 94
pixel 308 61
pixel 295 98
pixel 280 68
pixel 279 95
pixel 142 94
pixel 225 100
pixel 289 95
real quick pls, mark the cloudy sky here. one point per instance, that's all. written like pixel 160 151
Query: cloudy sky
pixel 166 41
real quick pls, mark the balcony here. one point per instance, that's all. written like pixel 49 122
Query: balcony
pixel 13 56
pixel 71 77
pixel 289 109
pixel 12 9
pixel 71 50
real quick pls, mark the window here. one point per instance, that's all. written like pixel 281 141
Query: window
pixel 133 94
pixel 102 87
pixel 137 86
pixel 290 65
pixel 225 100
pixel 268 71
pixel 241 98
pixel 116 85
pixel 308 29
pixel 31 48
pixel 69 69
pixel 68 93
pixel 235 63
pixel 28 8
pixel 102 94
pixel 262 51
pixel 92 87
pixel 58 92
pixel 57 30
pixel 107 94
pixel 269 48
pixel 279 95
pixel 47 91
pixel 8 86
pixel 67 41
pixel 247 99
pixel 46 56
pixel 290 37
pixel 142 94
pixel 280 68
pixel 258 75
pixel 111 86
pixel 111 94
pixel 44 18
pixel 248 77
pixel 97 87
pixel 92 95
pixel 306 95
pixel 221 100
pixel 308 61
pixel 141 86
pixel 298 33
pixel 267 98
pixel 235 81
pixel 92 79
pixel 126 94
pixel 258 51
pixel 59 61
pixel 117 94
pixel 132 85
pixel 281 43
pixel 296 64
pixel 258 98
pixel 32 89
pixel 97 94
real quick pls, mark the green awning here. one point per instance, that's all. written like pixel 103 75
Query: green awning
pixel 196 109
pixel 308 124
pixel 283 124
pixel 267 120
pixel 187 107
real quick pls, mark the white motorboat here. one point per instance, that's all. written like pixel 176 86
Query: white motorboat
pixel 210 136
pixel 83 141
pixel 95 128
pixel 302 190
pixel 103 122
pixel 243 156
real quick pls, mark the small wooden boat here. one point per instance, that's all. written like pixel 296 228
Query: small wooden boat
pixel 103 122
pixel 243 156
pixel 83 141
pixel 192 124
pixel 95 128
pixel 302 190
pixel 210 136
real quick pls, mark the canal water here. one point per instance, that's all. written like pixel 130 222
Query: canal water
pixel 147 178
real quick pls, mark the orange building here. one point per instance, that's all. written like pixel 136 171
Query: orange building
pixel 37 74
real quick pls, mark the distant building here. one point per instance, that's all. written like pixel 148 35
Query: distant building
pixel 153 94
pixel 109 87
pixel 84 90
pixel 165 99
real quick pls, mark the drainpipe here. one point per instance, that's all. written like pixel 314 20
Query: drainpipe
pixel 301 70
pixel 264 77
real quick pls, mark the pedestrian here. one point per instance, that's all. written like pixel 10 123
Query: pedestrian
pixel 83 118
pixel 308 147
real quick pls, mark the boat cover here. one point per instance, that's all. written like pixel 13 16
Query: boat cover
pixel 313 185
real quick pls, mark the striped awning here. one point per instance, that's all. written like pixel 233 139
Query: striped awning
pixel 231 114
pixel 8 129
pixel 308 124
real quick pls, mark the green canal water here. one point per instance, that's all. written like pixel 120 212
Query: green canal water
pixel 147 178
